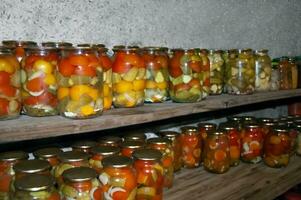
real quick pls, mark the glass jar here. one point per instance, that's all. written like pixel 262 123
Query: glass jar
pixel 298 62
pixel 248 119
pixel 191 146
pixel 216 150
pixel 84 146
pixel 164 146
pixel 118 179
pixel 185 76
pixel 294 69
pixel 80 83
pixel 99 153
pixel 106 64
pixel 285 72
pixel 109 141
pixel 157 80
pixel 81 183
pixel 238 120
pixel 128 147
pixel 7 173
pixel 35 187
pixel 204 129
pixel 70 159
pixel 252 143
pixel 263 71
pixel 57 45
pixel 266 127
pixel 298 141
pixel 205 72
pixel 129 76
pixel 294 108
pixel 275 79
pixel 216 71
pixel 277 148
pixel 10 100
pixel 26 167
pixel 149 174
pixel 292 134
pixel 135 136
pixel 233 134
pixel 241 72
pixel 49 154
pixel 174 137
pixel 19 47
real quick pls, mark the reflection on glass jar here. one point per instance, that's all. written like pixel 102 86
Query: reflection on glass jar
pixel 118 179
pixel 277 147
pixel 216 71
pixel 157 80
pixel 80 83
pixel 129 75
pixel 186 77
pixel 10 100
pixel 35 187
pixel 263 71
pixel 216 152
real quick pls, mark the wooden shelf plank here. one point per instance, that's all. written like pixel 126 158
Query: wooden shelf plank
pixel 246 181
pixel 27 128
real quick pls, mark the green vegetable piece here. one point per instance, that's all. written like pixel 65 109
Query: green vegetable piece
pixel 80 80
pixel 177 80
pixel 131 74
pixel 159 77
pixel 117 182
pixel 116 77
pixel 69 191
pixel 141 73
pixel 40 194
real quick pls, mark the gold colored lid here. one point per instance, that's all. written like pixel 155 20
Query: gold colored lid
pixel 47 152
pixel 147 154
pixel 251 125
pixel 248 118
pixel 135 136
pixel 270 124
pixel 264 120
pixel 109 140
pixel 132 144
pixel 13 156
pixel 235 118
pixel 117 161
pixel 79 174
pixel 169 134
pixel 31 166
pixel 34 182
pixel 281 129
pixel 189 129
pixel 73 156
pixel 207 126
pixel 158 140
pixel 57 44
pixel 227 126
pixel 15 43
pixel 217 132
pixel 105 150
pixel 84 144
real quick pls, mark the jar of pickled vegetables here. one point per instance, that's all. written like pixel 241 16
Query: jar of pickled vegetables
pixel 185 76
pixel 285 74
pixel 252 143
pixel 275 79
pixel 298 141
pixel 106 64
pixel 277 148
pixel 294 69
pixel 10 100
pixel 191 146
pixel 19 47
pixel 7 173
pixel 99 153
pixel 39 83
pixel 128 147
pixel 292 134
pixel 238 120
pixel 233 134
pixel 70 159
pixel 216 149
pixel 174 137
pixel 164 146
pixel 129 75
pixel 84 146
pixel 118 179
pixel 81 183
pixel 80 83
pixel 205 72
pixel 113 141
pixel 216 71
pixel 241 72
pixel 149 172
pixel 135 136
pixel 57 45
pixel 204 128
pixel 48 154
pixel 35 187
pixel 263 71
pixel 26 167
pixel 267 127
pixel 157 80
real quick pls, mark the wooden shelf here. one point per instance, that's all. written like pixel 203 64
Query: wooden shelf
pixel 27 128
pixel 246 181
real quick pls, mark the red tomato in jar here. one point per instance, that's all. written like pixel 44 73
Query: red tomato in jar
pixel 162 60
pixel 4 103
pixel 36 84
pixel 51 57
pixel 79 60
pixel 175 72
pixel 65 68
pixel 93 61
pixel 85 71
pixel 120 67
pixel 4 78
pixel 194 83
pixel 8 90
pixel 106 62
pixel 30 60
pixel 195 66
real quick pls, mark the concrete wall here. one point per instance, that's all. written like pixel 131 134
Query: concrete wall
pixel 272 24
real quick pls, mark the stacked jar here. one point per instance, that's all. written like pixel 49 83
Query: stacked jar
pixel 285 74
pixel 205 72
pixel 216 71
pixel 263 71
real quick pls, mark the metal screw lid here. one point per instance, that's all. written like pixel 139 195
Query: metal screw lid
pixel 217 132
pixel 251 125
pixel 11 156
pixel 135 136
pixel 158 140
pixel 235 118
pixel 32 166
pixel 57 44
pixel 47 152
pixel 34 182
pixel 264 120
pixel 73 156
pixel 248 118
pixel 281 129
pixel 117 161
pixel 105 150
pixel 147 154
pixel 79 174
pixel 207 126
pixel 169 134
pixel 227 126
pixel 132 144
pixel 188 129
pixel 109 140
pixel 84 144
